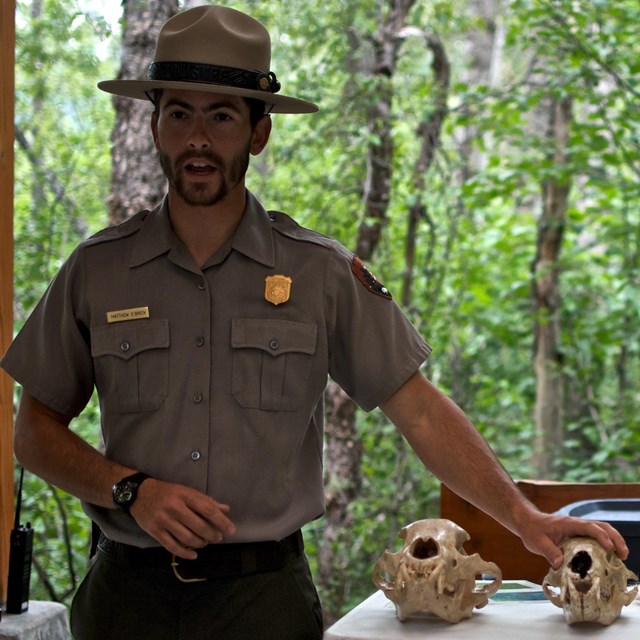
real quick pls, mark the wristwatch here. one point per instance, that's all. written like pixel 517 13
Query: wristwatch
pixel 125 492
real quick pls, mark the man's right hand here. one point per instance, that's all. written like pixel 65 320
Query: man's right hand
pixel 180 518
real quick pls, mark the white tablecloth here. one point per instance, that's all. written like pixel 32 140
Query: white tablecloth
pixel 42 621
pixel 375 619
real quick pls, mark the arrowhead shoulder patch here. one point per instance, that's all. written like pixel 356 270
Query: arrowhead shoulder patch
pixel 367 278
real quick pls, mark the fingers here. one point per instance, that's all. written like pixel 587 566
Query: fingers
pixel 603 532
pixel 184 535
pixel 209 518
pixel 550 551
pixel 181 519
pixel 610 538
pixel 204 521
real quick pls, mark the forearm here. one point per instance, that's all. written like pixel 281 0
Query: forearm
pixel 453 450
pixel 45 445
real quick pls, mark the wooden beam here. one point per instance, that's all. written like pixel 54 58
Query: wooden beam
pixel 7 93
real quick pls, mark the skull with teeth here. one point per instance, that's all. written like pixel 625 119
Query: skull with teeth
pixel 591 584
pixel 433 573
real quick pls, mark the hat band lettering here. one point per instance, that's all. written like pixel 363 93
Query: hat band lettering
pixel 213 74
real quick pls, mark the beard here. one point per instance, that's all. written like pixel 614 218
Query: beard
pixel 204 194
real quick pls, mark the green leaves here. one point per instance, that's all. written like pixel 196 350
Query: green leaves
pixel 62 164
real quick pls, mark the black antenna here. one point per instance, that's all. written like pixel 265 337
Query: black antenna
pixel 16 523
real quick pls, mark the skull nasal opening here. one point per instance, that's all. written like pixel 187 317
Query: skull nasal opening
pixel 423 549
pixel 581 563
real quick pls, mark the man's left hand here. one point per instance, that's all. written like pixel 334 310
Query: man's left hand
pixel 544 533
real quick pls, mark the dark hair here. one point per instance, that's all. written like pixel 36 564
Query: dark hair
pixel 257 108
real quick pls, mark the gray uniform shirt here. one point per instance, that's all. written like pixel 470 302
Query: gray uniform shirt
pixel 211 377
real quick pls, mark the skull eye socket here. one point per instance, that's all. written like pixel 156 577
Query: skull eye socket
pixel 424 549
pixel 581 563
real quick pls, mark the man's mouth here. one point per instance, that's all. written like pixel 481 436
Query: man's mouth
pixel 200 168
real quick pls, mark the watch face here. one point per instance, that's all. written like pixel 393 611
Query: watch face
pixel 124 494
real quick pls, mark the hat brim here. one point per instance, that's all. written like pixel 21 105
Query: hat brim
pixel 139 90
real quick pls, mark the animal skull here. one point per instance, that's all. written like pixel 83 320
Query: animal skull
pixel 432 572
pixel 592 583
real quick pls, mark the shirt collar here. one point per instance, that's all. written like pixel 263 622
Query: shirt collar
pixel 155 237
pixel 253 237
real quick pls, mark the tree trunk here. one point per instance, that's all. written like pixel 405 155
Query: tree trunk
pixel 342 443
pixel 377 191
pixel 343 451
pixel 137 181
pixel 483 54
pixel 485 44
pixel 547 357
pixel 429 131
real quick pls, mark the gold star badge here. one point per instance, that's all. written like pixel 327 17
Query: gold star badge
pixel 277 289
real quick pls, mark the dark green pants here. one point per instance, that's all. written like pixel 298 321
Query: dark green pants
pixel 120 603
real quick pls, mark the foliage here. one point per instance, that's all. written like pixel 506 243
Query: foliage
pixel 62 175
pixel 472 288
pixel 62 155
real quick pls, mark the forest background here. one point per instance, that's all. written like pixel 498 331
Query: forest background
pixel 483 158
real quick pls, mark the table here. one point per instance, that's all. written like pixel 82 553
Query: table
pixel 375 619
pixel 42 621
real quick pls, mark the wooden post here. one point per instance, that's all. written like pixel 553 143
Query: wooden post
pixel 7 92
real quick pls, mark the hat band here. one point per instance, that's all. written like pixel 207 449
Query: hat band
pixel 213 74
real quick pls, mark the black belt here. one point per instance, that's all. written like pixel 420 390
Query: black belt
pixel 213 561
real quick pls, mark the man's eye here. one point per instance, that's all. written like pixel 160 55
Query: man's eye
pixel 177 115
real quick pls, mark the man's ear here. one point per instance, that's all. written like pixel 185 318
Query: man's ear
pixel 260 135
pixel 154 128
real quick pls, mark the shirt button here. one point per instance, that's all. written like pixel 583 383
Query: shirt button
pixel 274 344
pixel 125 346
pixel 197 397
pixel 200 341
pixel 195 456
pixel 201 285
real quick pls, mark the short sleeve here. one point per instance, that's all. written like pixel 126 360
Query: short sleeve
pixel 51 357
pixel 374 348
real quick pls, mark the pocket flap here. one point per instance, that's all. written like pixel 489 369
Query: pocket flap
pixel 274 336
pixel 127 340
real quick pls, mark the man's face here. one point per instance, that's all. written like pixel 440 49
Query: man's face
pixel 204 141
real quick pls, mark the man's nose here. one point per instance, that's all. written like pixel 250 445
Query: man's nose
pixel 199 136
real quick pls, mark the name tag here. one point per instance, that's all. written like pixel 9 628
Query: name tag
pixel 138 313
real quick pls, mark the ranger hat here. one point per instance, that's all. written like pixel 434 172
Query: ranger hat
pixel 214 49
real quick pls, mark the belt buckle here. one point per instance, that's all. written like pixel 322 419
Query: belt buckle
pixel 174 566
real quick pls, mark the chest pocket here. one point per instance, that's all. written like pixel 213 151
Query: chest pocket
pixel 132 364
pixel 271 362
